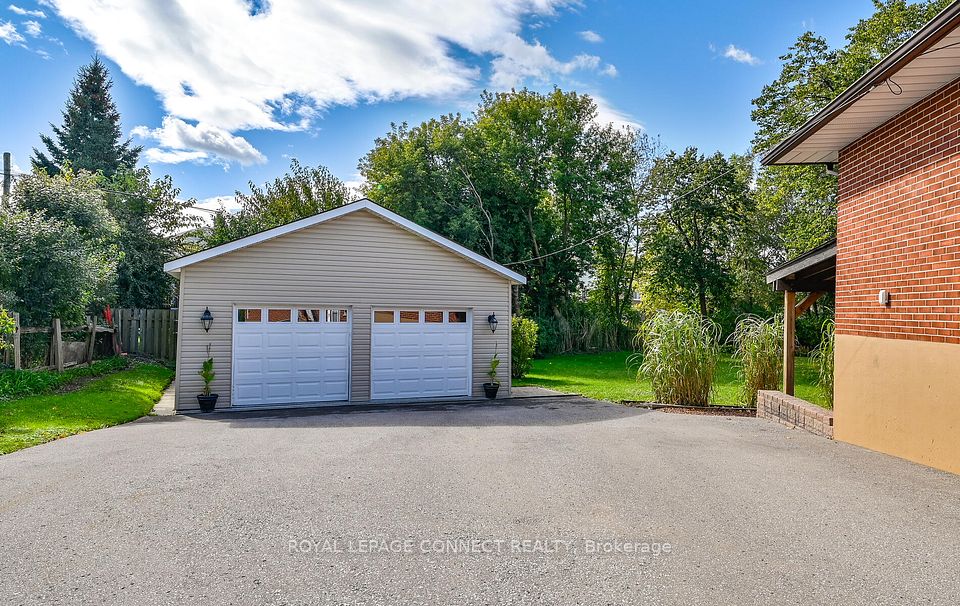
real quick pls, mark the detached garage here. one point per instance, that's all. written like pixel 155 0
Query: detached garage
pixel 356 304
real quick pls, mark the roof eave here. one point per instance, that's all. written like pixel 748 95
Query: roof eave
pixel 930 34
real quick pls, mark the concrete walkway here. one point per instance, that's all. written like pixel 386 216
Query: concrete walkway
pixel 528 501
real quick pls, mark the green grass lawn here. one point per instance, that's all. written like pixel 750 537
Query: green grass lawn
pixel 117 398
pixel 605 376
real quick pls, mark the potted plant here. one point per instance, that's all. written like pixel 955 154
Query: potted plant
pixel 490 389
pixel 207 400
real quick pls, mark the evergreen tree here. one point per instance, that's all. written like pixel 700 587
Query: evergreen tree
pixel 90 136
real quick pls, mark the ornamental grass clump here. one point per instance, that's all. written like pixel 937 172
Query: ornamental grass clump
pixel 759 348
pixel 823 356
pixel 680 354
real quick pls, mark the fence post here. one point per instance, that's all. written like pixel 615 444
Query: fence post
pixel 57 344
pixel 16 341
pixel 118 330
pixel 91 337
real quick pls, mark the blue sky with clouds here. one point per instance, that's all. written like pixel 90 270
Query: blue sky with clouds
pixel 222 92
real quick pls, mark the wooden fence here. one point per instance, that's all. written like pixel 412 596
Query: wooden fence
pixel 60 353
pixel 151 332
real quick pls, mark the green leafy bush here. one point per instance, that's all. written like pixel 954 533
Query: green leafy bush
pixel 760 352
pixel 823 356
pixel 524 337
pixel 679 357
pixel 22 383
pixel 7 326
pixel 494 364
pixel 206 373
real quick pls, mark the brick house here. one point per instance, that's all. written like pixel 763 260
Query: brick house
pixel 894 139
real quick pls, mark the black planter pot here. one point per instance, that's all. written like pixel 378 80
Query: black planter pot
pixel 207 403
pixel 490 390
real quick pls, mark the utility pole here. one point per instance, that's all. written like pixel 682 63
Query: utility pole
pixel 7 175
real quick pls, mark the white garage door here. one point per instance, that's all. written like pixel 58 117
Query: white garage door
pixel 420 353
pixel 287 355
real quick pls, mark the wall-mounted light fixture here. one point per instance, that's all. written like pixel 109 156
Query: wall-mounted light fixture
pixel 492 321
pixel 206 319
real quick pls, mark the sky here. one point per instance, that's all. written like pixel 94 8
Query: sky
pixel 224 92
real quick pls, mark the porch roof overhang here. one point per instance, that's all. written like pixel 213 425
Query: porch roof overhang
pixel 922 65
pixel 813 271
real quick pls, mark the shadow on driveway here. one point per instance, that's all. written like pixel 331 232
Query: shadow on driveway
pixel 511 412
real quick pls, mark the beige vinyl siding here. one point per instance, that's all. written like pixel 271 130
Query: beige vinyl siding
pixel 360 261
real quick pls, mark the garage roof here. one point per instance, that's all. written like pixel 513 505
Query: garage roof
pixel 174 266
pixel 922 65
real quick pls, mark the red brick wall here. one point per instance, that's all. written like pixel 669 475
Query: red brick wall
pixel 898 226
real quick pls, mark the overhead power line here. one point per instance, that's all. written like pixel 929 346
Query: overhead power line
pixel 609 231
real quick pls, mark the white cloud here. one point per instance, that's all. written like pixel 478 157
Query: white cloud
pixel 283 67
pixel 740 55
pixel 607 114
pixel 609 70
pixel 522 61
pixel 32 28
pixel 9 33
pixel 591 36
pixel 182 142
pixel 25 12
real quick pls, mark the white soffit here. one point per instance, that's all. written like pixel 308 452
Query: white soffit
pixel 889 96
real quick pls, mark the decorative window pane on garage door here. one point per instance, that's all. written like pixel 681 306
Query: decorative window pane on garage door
pixel 249 315
pixel 278 315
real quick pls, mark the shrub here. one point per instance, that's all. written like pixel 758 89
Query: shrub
pixel 7 327
pixel 760 351
pixel 524 337
pixel 680 353
pixel 823 356
pixel 47 269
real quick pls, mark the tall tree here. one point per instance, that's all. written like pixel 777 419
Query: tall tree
pixel 301 192
pixel 89 137
pixel 154 228
pixel 695 216
pixel 530 179
pixel 800 201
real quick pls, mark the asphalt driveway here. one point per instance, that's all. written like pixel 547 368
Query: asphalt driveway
pixel 540 501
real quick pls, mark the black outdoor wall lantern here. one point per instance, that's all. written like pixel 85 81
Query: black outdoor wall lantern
pixel 206 319
pixel 492 321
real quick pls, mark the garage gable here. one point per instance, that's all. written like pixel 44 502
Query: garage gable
pixel 174 267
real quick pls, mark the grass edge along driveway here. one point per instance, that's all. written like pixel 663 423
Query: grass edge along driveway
pixel 117 398
pixel 605 376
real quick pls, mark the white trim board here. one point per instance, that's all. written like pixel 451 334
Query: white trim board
pixel 174 266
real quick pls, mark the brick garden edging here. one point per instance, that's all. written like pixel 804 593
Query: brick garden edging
pixel 794 412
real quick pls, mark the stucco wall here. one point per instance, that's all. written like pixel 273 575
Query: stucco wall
pixel 899 397
pixel 359 261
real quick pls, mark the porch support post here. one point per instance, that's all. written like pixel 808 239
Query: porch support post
pixel 789 338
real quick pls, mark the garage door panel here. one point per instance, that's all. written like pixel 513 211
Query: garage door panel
pixel 290 362
pixel 308 339
pixel 415 360
pixel 248 365
pixel 277 340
